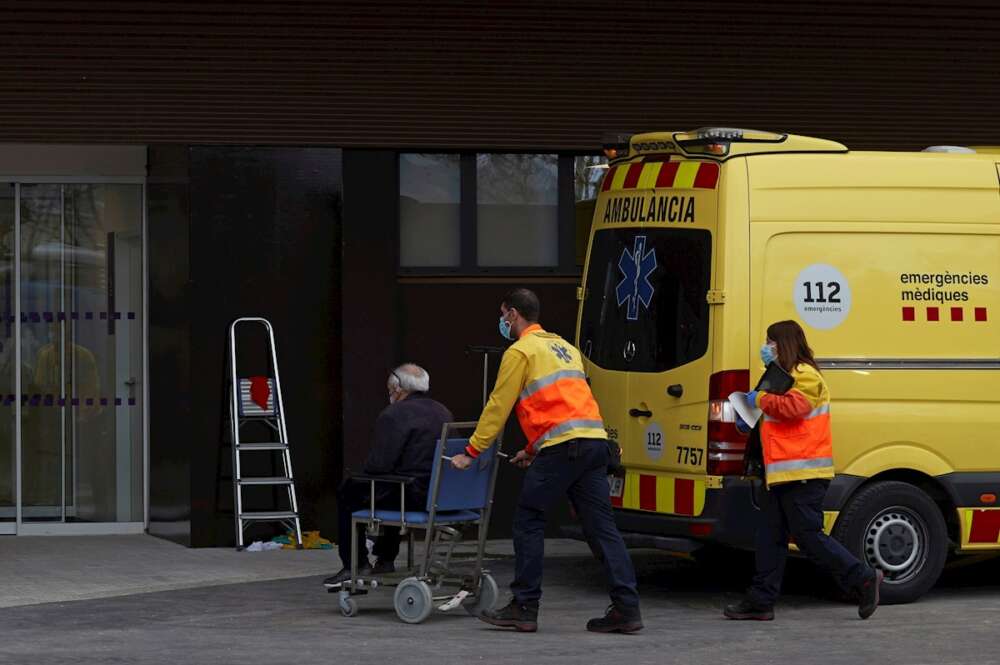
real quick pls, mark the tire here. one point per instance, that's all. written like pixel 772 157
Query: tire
pixel 898 528
pixel 349 607
pixel 485 599
pixel 413 600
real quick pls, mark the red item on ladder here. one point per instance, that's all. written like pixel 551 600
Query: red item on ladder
pixel 260 391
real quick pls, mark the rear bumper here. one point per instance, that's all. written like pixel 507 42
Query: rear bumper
pixel 728 518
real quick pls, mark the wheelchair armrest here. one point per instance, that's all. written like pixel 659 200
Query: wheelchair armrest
pixel 373 478
pixel 383 478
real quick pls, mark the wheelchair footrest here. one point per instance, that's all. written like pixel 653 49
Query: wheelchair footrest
pixel 455 600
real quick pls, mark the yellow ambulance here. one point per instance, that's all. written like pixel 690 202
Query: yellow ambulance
pixel 891 263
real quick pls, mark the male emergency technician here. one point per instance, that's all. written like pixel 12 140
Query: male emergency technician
pixel 541 377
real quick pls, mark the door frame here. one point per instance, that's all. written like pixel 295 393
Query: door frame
pixel 18 526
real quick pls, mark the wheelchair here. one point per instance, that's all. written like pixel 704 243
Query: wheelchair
pixel 457 501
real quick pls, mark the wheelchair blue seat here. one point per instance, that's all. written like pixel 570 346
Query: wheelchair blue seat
pixel 420 517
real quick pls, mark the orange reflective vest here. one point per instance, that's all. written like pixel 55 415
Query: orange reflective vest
pixel 541 378
pixel 795 435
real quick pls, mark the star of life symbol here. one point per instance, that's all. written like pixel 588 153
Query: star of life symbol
pixel 562 353
pixel 635 286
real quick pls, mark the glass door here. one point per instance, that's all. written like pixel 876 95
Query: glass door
pixel 81 344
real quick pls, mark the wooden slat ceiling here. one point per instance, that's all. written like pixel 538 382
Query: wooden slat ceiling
pixel 495 75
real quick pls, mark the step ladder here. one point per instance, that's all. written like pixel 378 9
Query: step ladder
pixel 258 399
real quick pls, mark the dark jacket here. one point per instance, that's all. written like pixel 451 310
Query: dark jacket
pixel 406 436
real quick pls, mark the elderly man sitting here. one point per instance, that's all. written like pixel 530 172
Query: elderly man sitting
pixel 406 436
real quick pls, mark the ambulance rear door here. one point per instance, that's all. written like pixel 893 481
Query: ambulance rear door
pixel 645 325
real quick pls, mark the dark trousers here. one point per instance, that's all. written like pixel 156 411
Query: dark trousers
pixel 796 509
pixel 354 495
pixel 578 469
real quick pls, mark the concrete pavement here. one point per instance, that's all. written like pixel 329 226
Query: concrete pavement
pixel 52 569
pixel 294 620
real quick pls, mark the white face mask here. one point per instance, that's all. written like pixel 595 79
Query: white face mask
pixel 505 329
pixel 769 352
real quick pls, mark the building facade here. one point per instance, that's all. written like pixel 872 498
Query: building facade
pixel 371 178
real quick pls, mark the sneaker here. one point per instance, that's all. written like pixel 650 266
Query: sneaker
pixel 521 617
pixel 747 610
pixel 869 594
pixel 345 576
pixel 617 620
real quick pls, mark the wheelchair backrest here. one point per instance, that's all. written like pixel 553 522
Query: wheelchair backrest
pixel 461 490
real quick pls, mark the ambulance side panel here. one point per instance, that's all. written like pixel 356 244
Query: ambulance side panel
pixel 892 265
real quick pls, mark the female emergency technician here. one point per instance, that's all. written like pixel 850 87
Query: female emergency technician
pixel 798 465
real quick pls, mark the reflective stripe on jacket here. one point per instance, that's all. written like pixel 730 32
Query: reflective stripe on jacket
pixel 541 377
pixel 795 435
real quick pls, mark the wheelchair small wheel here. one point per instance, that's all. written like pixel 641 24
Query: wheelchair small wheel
pixel 485 599
pixel 413 600
pixel 349 607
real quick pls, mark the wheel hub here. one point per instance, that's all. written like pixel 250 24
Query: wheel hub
pixel 893 542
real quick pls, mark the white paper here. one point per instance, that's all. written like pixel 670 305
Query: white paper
pixel 747 411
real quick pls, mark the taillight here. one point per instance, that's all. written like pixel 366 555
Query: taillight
pixel 726 444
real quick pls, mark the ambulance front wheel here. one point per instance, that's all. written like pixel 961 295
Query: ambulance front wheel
pixel 896 527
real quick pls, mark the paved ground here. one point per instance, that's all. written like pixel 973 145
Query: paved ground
pixel 47 569
pixel 293 620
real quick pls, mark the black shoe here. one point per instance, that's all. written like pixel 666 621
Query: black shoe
pixel 869 595
pixel 617 620
pixel 523 618
pixel 749 610
pixel 345 576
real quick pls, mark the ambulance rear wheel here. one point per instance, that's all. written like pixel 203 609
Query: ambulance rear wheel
pixel 897 528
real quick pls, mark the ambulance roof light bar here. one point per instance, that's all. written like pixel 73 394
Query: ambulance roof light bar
pixel 716 141
pixel 720 143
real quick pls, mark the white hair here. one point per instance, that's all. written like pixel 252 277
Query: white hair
pixel 410 378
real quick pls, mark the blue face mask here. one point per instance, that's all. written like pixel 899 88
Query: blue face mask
pixel 768 353
pixel 505 329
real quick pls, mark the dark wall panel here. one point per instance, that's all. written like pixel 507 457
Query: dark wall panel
pixel 170 446
pixel 370 307
pixel 261 237
pixel 505 75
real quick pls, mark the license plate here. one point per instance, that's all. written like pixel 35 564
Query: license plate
pixel 616 485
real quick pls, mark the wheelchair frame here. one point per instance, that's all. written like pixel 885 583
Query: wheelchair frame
pixel 414 599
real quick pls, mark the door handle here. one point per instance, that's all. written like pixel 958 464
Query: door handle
pixel 628 353
pixel 640 413
pixel 675 390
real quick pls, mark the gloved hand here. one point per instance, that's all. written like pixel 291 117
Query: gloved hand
pixel 741 426
pixel 752 397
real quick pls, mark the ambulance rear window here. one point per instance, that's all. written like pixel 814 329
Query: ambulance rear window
pixel 645 308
